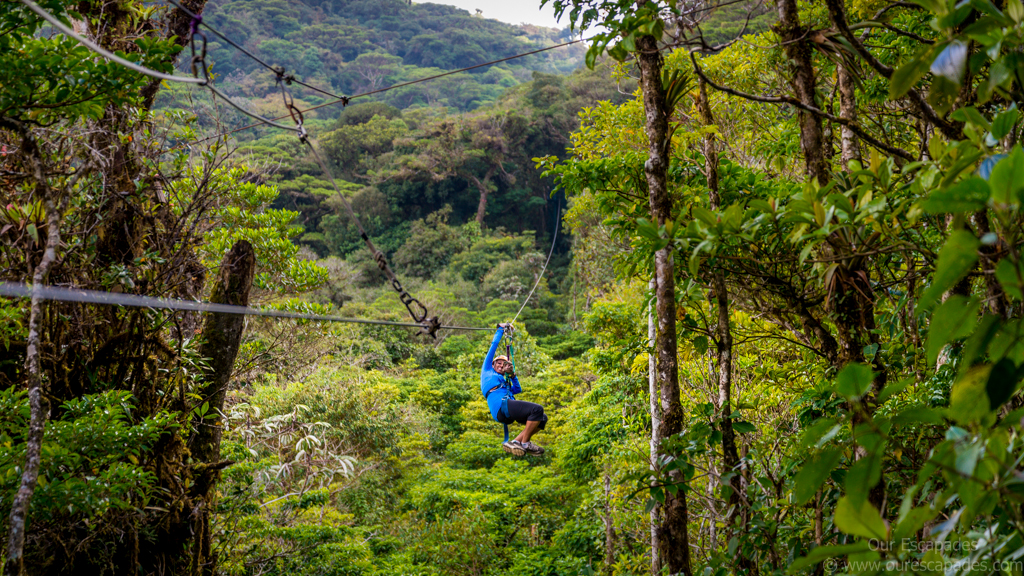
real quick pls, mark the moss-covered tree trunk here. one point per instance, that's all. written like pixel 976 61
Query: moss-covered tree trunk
pixel 222 334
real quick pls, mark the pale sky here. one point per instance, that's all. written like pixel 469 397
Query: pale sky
pixel 511 11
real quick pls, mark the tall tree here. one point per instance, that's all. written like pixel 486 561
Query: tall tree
pixel 636 30
pixel 723 330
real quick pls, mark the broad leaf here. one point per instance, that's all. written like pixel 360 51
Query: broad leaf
pixel 904 78
pixel 1009 277
pixel 861 477
pixel 1003 123
pixel 952 320
pixel 957 257
pixel 967 400
pixel 824 552
pixel 854 380
pixel 863 520
pixel 1007 179
pixel 967 195
pixel 814 473
pixel 1002 383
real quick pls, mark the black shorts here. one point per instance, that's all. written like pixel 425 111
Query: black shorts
pixel 523 412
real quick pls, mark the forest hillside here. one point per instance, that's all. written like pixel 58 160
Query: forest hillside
pixel 754 267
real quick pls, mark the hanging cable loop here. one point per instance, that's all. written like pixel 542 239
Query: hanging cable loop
pixel 199 60
pixel 289 103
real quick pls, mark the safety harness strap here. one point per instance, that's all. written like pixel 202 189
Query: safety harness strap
pixel 504 408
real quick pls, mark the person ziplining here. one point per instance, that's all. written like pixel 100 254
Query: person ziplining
pixel 499 385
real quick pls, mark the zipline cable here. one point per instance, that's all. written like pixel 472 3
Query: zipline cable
pixel 417 310
pixel 56 23
pixel 344 100
pixel 18 290
pixel 205 81
pixel 558 220
pixel 278 70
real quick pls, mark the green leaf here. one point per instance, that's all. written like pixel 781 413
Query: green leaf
pixel 904 78
pixel 854 380
pixel 958 255
pixel 706 216
pixel 701 344
pixel 818 433
pixel 1002 383
pixel 861 477
pixel 617 52
pixel 1003 123
pixel 1007 178
pixel 970 114
pixel 913 521
pixel 863 520
pixel 919 414
pixel 967 195
pixel 1008 275
pixel 952 320
pixel 967 459
pixel 975 346
pixel 963 163
pixel 743 427
pixel 965 400
pixel 814 473
pixel 893 389
pixel 825 552
pixel 647 229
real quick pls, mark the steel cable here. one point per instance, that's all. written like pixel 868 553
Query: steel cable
pixel 558 220
pixel 196 60
pixel 344 100
pixel 61 294
pixel 56 23
pixel 278 70
pixel 427 325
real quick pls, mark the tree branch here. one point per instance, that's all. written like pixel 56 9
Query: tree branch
pixel 836 13
pixel 813 110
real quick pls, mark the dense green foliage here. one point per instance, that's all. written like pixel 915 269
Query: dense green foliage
pixel 848 317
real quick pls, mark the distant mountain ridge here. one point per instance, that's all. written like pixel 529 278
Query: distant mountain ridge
pixel 353 46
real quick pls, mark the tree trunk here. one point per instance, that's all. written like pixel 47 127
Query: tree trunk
pixel 222 334
pixel 39 407
pixel 798 52
pixel 849 147
pixel 484 188
pixel 674 541
pixel 655 429
pixel 723 332
pixel 609 527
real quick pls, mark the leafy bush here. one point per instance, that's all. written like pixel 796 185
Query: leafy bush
pixel 97 468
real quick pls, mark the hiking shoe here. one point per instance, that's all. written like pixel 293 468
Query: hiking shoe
pixel 532 449
pixel 514 447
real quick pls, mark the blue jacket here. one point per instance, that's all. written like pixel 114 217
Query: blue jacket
pixel 489 378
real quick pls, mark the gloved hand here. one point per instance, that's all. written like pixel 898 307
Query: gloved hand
pixel 508 327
